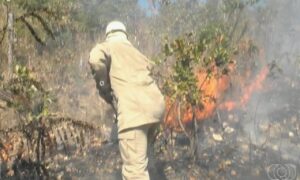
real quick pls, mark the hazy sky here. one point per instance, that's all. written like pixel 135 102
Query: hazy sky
pixel 143 3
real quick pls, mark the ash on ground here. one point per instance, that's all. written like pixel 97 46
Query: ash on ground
pixel 235 145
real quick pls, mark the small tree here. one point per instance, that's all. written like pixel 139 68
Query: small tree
pixel 33 17
pixel 195 60
pixel 208 53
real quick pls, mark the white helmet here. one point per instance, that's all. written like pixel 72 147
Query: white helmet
pixel 115 26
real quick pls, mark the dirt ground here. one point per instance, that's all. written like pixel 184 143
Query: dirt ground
pixel 227 150
pixel 253 143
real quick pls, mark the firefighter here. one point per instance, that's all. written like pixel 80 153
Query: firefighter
pixel 122 75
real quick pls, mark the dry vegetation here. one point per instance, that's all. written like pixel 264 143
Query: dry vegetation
pixel 229 70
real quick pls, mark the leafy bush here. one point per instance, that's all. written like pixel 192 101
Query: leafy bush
pixel 209 52
pixel 28 97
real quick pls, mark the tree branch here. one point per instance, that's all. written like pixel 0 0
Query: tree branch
pixel 4 29
pixel 36 11
pixel 32 31
pixel 180 121
pixel 44 24
pixel 4 33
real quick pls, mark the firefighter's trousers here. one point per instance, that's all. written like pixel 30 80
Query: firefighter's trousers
pixel 134 147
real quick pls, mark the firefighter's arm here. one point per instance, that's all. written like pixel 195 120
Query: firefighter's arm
pixel 98 63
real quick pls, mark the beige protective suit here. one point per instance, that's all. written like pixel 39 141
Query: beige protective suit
pixel 120 68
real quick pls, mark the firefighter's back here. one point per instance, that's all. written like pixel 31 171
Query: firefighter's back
pixel 139 99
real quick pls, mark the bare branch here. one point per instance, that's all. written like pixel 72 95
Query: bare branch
pixel 44 24
pixel 32 31
pixel 3 33
pixel 4 29
pixel 180 121
pixel 36 11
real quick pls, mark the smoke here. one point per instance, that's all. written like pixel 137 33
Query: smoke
pixel 278 36
pixel 272 114
pixel 271 117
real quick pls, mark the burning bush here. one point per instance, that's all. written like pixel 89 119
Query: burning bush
pixel 198 71
pixel 198 75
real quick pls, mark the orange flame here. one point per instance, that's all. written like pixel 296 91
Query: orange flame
pixel 256 85
pixel 212 89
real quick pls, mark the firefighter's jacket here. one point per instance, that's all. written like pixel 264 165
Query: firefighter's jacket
pixel 120 68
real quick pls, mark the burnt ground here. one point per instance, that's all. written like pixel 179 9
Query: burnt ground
pixel 227 150
pixel 237 155
pixel 257 142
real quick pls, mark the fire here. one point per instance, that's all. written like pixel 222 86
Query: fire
pixel 256 85
pixel 212 89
